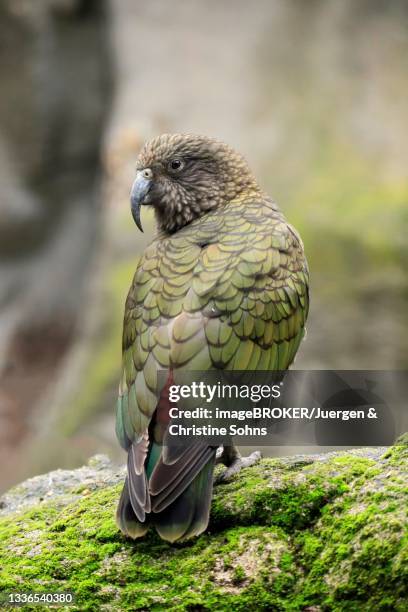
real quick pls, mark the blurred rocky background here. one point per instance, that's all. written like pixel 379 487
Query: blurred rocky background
pixel 313 93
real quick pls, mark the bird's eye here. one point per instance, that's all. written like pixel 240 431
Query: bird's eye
pixel 176 165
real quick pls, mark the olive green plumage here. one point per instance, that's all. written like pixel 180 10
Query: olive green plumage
pixel 227 288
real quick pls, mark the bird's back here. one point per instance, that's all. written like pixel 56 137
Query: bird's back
pixel 230 290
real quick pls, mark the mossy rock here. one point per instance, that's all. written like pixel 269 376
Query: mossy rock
pixel 321 532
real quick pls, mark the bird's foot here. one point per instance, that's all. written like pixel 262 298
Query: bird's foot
pixel 236 466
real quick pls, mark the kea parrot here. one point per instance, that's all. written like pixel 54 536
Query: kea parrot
pixel 223 285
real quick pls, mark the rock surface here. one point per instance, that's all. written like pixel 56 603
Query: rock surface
pixel 320 532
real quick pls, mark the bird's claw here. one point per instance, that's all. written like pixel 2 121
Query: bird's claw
pixel 237 465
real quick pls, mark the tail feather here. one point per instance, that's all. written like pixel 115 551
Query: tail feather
pixel 185 516
pixel 168 485
pixel 203 495
pixel 126 518
pixel 179 484
pixel 138 488
pixel 188 515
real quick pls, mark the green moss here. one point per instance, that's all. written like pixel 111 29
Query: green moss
pixel 281 537
pixel 398 453
pixel 296 498
pixel 401 441
pixel 353 556
pixel 79 549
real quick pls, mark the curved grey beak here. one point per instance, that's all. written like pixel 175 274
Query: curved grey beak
pixel 139 191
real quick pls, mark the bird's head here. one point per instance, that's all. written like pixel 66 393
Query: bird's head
pixel 183 176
